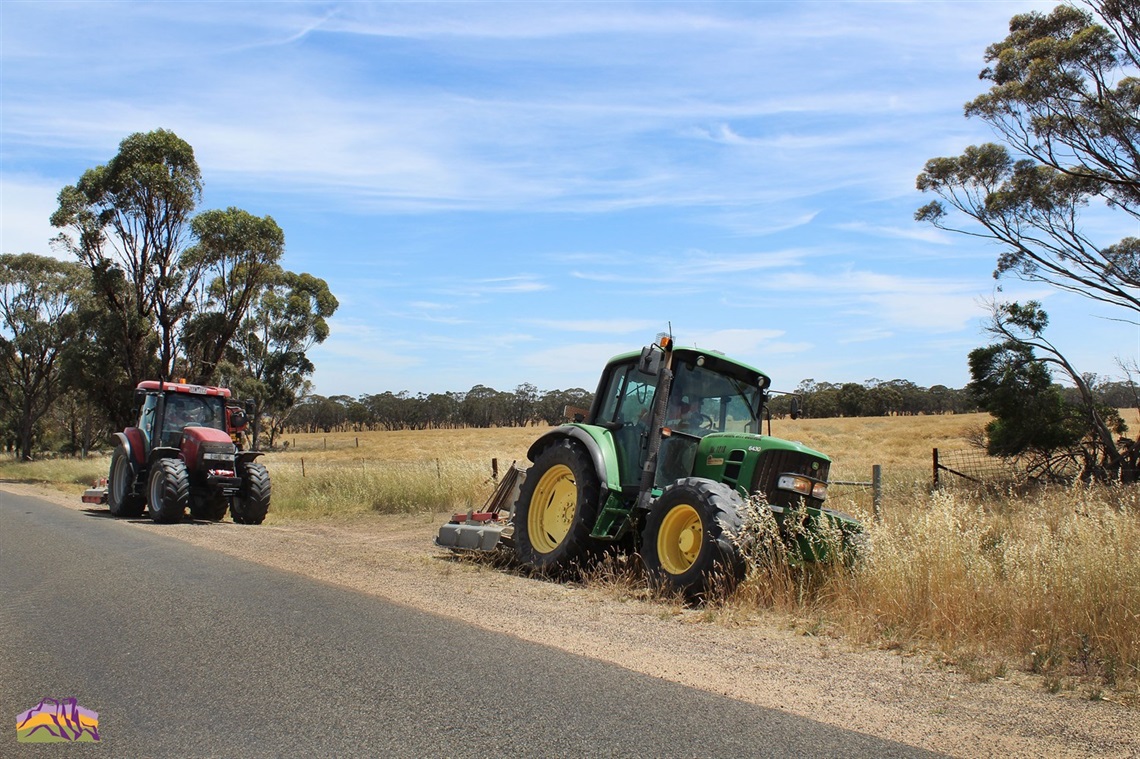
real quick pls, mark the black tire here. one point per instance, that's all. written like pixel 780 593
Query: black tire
pixel 251 504
pixel 685 545
pixel 168 490
pixel 121 498
pixel 556 510
pixel 211 508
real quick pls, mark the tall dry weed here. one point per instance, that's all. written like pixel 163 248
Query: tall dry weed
pixel 1051 580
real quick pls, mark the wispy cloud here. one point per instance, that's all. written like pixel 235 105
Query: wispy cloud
pixel 484 184
pixel 602 326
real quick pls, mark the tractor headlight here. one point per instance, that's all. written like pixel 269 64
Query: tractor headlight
pixel 805 486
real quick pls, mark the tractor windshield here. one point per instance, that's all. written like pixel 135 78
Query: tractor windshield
pixel 185 410
pixel 703 401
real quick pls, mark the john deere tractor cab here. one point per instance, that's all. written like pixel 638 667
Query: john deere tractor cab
pixel 182 455
pixel 669 453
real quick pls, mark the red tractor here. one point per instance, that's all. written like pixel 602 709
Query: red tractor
pixel 185 453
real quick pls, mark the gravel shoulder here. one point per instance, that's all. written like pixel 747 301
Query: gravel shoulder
pixel 757 660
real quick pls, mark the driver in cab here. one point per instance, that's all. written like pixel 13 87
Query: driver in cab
pixel 686 416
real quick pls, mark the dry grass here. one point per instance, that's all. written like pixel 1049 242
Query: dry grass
pixel 69 475
pixel 1045 581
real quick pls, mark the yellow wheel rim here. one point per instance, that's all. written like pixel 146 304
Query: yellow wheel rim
pixel 679 539
pixel 552 508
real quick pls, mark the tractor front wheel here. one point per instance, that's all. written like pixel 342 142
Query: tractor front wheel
pixel 556 509
pixel 686 544
pixel 121 498
pixel 251 504
pixel 169 490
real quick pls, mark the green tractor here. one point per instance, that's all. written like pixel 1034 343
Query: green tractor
pixel 664 462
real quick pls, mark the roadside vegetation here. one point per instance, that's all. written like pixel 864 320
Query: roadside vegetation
pixel 988 581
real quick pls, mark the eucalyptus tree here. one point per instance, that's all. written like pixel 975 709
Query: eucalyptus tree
pixel 38 296
pixel 268 356
pixel 159 268
pixel 1065 101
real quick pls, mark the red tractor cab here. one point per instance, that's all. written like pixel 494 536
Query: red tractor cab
pixel 184 454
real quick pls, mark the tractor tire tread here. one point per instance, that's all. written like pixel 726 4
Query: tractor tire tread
pixel 169 490
pixel 719 562
pixel 251 504
pixel 577 548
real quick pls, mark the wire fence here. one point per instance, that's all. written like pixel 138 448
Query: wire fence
pixel 975 466
pixel 876 486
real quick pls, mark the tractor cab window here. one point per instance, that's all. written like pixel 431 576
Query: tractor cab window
pixel 146 418
pixel 702 401
pixel 627 403
pixel 185 410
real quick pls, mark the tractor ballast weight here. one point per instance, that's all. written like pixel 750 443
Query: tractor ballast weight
pixel 666 463
pixel 185 454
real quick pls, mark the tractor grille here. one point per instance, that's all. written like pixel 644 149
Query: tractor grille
pixel 218 450
pixel 773 463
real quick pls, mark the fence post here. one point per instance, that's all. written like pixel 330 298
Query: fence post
pixel 935 454
pixel 302 467
pixel 877 490
pixel 495 470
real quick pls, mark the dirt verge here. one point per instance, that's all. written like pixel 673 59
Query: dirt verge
pixel 759 660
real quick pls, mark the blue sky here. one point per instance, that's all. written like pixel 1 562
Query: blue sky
pixel 501 193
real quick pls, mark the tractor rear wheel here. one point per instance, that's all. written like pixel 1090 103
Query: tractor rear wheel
pixel 251 504
pixel 556 509
pixel 168 490
pixel 121 499
pixel 686 543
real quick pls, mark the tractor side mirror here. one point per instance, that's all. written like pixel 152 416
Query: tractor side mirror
pixel 795 408
pixel 650 361
pixel 140 396
pixel 249 406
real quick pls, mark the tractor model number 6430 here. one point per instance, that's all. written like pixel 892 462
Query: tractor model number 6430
pixel 664 462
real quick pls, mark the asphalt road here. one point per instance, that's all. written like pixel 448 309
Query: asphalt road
pixel 184 652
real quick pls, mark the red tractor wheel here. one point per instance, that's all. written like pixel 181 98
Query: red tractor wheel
pixel 168 490
pixel 251 504
pixel 121 499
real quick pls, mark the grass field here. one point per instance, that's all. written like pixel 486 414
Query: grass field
pixel 1046 581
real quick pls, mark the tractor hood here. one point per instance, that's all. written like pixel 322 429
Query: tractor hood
pixel 205 448
pixel 205 435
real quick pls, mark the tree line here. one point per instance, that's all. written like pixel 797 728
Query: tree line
pixel 481 406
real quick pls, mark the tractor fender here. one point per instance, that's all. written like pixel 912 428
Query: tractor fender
pixel 131 440
pixel 241 458
pixel 164 452
pixel 588 441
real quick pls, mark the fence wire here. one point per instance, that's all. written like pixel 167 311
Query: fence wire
pixel 975 466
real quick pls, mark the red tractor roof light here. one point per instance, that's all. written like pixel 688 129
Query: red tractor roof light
pixel 182 387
